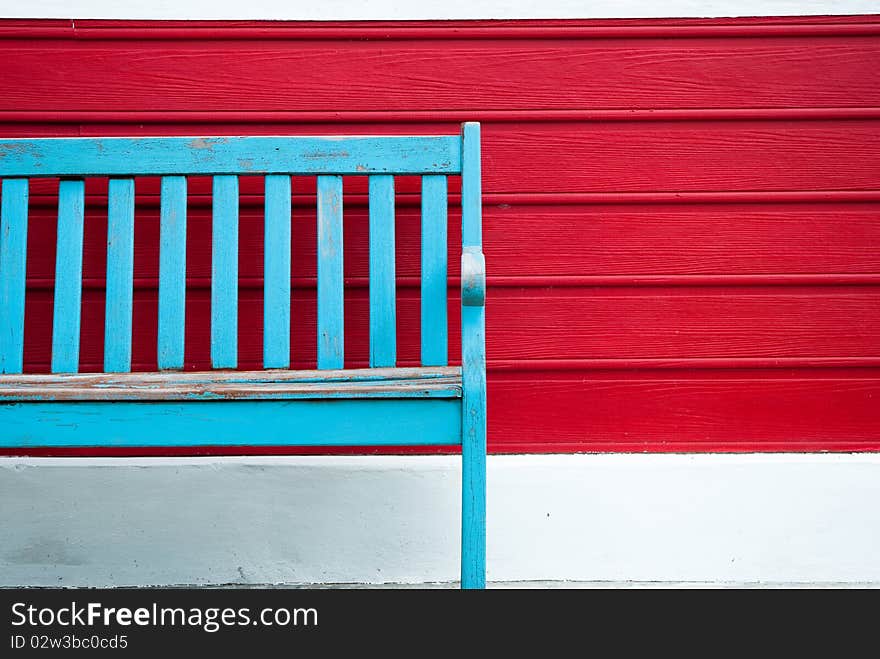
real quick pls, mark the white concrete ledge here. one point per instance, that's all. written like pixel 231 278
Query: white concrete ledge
pixel 780 518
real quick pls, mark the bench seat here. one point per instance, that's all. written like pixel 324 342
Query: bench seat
pixel 380 406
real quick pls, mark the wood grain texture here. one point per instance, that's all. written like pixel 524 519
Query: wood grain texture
pixel 330 301
pixel 747 155
pixel 236 385
pixel 383 285
pixel 433 269
pixel 426 74
pixel 68 278
pixel 618 322
pixel 389 30
pixel 171 245
pixel 120 269
pixel 398 117
pixel 13 255
pixel 697 411
pixel 224 273
pixel 276 266
pixel 347 422
pixel 148 411
pixel 585 157
pixel 125 156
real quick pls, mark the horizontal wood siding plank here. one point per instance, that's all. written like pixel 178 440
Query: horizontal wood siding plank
pixel 682 156
pixel 596 240
pixel 13 272
pixel 330 303
pixel 235 385
pixel 685 414
pixel 699 412
pixel 611 157
pixel 536 324
pixel 422 73
pixel 684 323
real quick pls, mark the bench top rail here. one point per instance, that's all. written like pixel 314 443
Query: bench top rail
pixel 150 156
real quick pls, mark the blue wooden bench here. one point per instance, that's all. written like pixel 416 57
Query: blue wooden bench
pixel 435 404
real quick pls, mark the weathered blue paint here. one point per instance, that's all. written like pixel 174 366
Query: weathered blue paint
pixel 276 273
pixel 331 350
pixel 270 384
pixel 249 391
pixel 383 288
pixel 434 270
pixel 200 378
pixel 473 359
pixel 360 422
pixel 224 273
pixel 172 272
pixel 124 156
pixel 120 274
pixel 68 277
pixel 473 277
pixel 13 261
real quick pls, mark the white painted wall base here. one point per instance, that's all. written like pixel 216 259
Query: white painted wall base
pixel 644 518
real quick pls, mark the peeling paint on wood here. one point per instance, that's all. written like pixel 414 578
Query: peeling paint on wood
pixel 268 384
pixel 346 422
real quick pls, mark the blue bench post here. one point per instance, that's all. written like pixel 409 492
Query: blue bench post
pixel 473 362
pixel 433 404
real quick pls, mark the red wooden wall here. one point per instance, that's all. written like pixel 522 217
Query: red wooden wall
pixel 682 218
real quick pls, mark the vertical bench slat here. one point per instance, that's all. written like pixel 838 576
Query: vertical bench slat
pixel 13 263
pixel 224 273
pixel 331 352
pixel 120 272
pixel 434 271
pixel 276 273
pixel 68 277
pixel 172 273
pixel 383 291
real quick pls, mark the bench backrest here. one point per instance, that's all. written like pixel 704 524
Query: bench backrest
pixel 225 158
